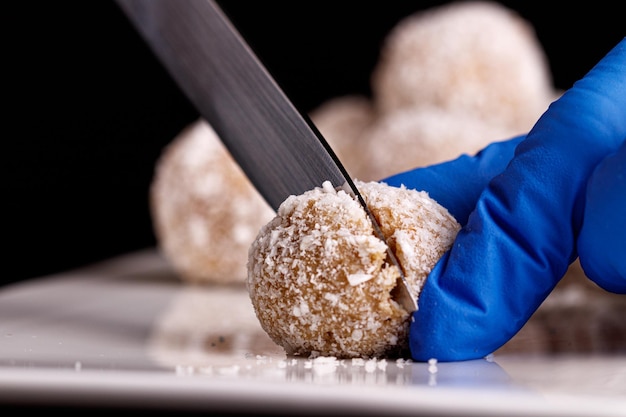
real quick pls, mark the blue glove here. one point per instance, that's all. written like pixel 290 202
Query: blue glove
pixel 529 207
pixel 602 239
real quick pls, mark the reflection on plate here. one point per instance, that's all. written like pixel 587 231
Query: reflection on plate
pixel 577 317
pixel 128 333
pixel 207 326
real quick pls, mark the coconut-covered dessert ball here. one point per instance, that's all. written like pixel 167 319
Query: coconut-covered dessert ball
pixel 474 56
pixel 319 277
pixel 406 139
pixel 205 211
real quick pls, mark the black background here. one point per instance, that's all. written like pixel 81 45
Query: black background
pixel 87 108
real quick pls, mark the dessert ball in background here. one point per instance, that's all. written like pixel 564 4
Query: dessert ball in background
pixel 476 57
pixel 205 211
pixel 406 139
pixel 343 122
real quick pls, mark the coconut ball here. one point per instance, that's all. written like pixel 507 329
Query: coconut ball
pixel 410 138
pixel 476 56
pixel 205 212
pixel 319 278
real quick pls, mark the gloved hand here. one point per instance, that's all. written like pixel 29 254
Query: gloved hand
pixel 529 206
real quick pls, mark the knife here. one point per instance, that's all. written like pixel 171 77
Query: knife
pixel 280 150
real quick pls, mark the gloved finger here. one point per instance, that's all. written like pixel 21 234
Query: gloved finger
pixel 457 184
pixel 520 239
pixel 602 239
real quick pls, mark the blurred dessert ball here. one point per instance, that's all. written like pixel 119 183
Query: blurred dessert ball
pixel 205 211
pixel 343 122
pixel 476 57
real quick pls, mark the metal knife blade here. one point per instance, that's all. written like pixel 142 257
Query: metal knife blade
pixel 278 148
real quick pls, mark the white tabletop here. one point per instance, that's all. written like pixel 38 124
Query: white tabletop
pixel 128 332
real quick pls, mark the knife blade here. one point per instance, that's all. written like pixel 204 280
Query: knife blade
pixel 280 150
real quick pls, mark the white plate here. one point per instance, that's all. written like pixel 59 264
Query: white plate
pixel 128 333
